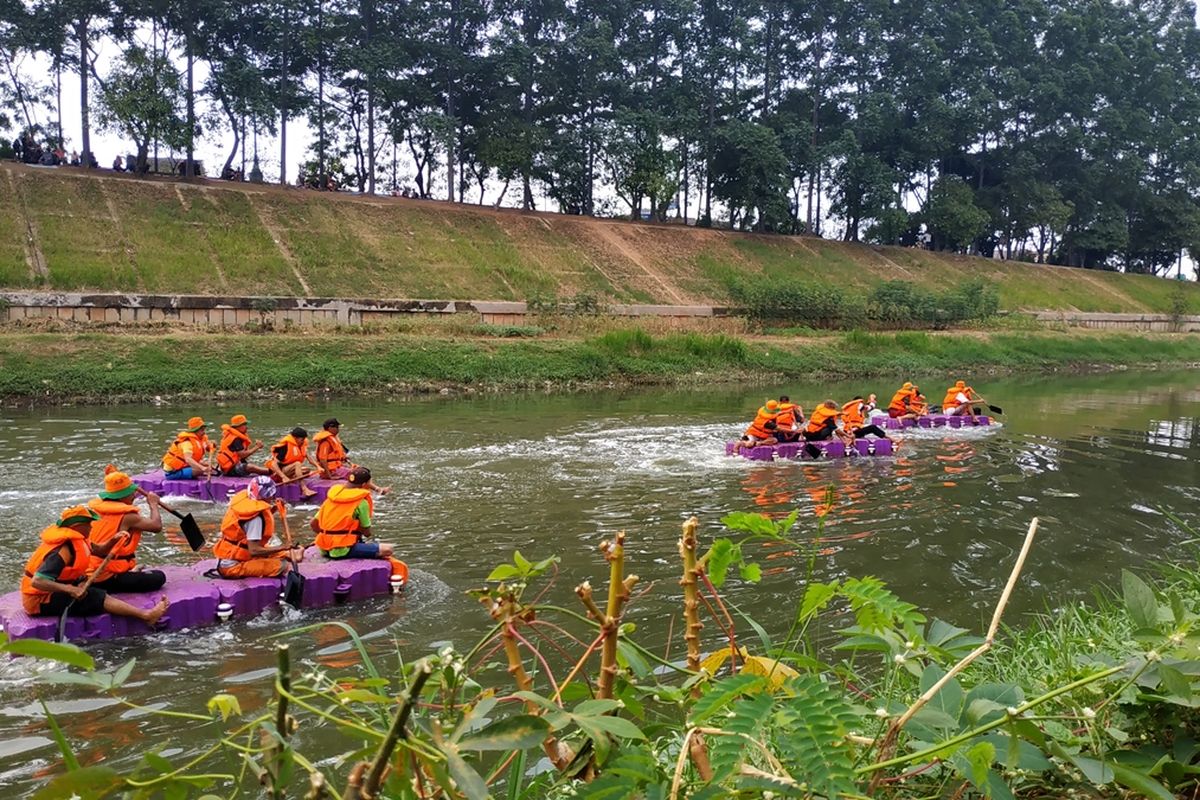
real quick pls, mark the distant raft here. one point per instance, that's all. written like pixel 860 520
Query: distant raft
pixel 198 601
pixel 795 451
pixel 221 488
pixel 931 421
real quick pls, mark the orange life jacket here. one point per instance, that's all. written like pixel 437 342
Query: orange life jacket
pixel 759 428
pixel 786 419
pixel 293 454
pixel 329 449
pixel 228 458
pixel 53 538
pixel 124 556
pixel 173 460
pixel 852 415
pixel 901 400
pixel 951 399
pixel 242 509
pixel 335 518
pixel 820 418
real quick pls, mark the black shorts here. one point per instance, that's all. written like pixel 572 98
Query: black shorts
pixel 89 605
pixel 821 435
pixel 238 470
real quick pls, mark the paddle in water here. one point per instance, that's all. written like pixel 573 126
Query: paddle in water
pixel 187 523
pixel 293 582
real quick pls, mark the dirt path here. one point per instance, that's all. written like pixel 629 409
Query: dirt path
pixel 34 257
pixel 605 232
pixel 277 237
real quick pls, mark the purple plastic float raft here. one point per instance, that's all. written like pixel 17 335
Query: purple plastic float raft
pixel 196 601
pixel 220 488
pixel 796 450
pixel 930 421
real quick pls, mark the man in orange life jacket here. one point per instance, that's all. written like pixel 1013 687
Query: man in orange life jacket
pixel 762 429
pixel 854 417
pixel 248 525
pixel 343 522
pixel 184 459
pixel 118 515
pixel 903 402
pixel 56 570
pixel 959 400
pixel 290 459
pixel 233 455
pixel 331 453
pixel 788 421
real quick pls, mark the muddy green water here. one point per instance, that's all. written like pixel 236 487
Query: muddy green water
pixel 1096 457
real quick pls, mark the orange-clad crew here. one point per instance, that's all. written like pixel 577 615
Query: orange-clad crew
pixel 331 453
pixel 823 423
pixel 905 402
pixel 117 515
pixel 343 522
pixel 185 457
pixel 762 429
pixel 233 454
pixel 854 418
pixel 788 420
pixel 290 459
pixel 249 523
pixel 960 400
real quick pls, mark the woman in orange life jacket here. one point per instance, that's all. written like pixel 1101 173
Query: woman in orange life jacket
pixel 788 421
pixel 343 522
pixel 233 455
pixel 290 459
pixel 249 523
pixel 854 415
pixel 762 429
pixel 903 401
pixel 56 571
pixel 118 515
pixel 184 459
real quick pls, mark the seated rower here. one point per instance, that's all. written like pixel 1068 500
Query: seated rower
pixel 331 453
pixel 249 524
pixel 290 459
pixel 233 456
pixel 823 424
pixel 762 429
pixel 959 400
pixel 117 516
pixel 56 570
pixel 902 403
pixel 344 520
pixel 920 406
pixel 788 421
pixel 184 459
pixel 854 418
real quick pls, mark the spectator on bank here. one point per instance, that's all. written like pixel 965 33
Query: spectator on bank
pixel 118 165
pixel 18 149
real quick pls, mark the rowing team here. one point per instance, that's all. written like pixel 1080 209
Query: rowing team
pixel 784 421
pixel 92 549
pixel 193 455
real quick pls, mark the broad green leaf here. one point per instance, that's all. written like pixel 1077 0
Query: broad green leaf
pixel 1177 610
pixel 64 747
pixel 775 672
pixel 51 651
pixel 757 524
pixel 1173 682
pixel 522 563
pixel 1016 753
pixel 1140 782
pixel 504 572
pixel 96 680
pixel 617 726
pixel 1139 600
pixel 85 783
pixel 719 558
pixel 465 777
pixel 512 733
pixel 121 675
pixel 363 696
pixel 949 698
pixel 592 708
pixel 226 705
pixel 979 758
pixel 751 573
pixel 1096 771
pixel 629 657
pixel 816 598
pixel 157 763
pixel 722 693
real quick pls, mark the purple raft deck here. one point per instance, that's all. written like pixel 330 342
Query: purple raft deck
pixel 796 450
pixel 222 488
pixel 930 421
pixel 194 599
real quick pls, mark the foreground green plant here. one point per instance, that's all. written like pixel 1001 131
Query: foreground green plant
pixel 862 697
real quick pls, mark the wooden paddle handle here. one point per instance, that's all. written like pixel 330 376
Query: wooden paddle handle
pixel 103 563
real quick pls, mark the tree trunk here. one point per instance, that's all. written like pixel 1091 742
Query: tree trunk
pixel 370 31
pixel 189 169
pixel 81 33
pixel 283 103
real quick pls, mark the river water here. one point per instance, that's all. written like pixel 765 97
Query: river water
pixel 1098 458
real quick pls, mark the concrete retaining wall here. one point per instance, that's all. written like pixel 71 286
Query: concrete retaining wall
pixel 1132 322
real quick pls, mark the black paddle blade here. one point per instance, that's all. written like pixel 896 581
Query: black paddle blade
pixel 60 632
pixel 293 588
pixel 995 409
pixel 812 450
pixel 191 532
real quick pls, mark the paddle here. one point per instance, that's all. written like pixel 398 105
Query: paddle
pixel 187 524
pixel 293 584
pixel 60 631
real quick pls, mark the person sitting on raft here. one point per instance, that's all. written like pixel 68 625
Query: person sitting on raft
pixel 59 565
pixel 119 516
pixel 762 429
pixel 233 456
pixel 823 424
pixel 343 522
pixel 788 420
pixel 903 402
pixel 290 459
pixel 959 400
pixel 854 418
pixel 331 453
pixel 248 525
pixel 184 459
pixel 920 406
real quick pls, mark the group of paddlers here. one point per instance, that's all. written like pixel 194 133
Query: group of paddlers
pixel 92 549
pixel 782 421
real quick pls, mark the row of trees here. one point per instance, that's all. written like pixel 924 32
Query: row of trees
pixel 1068 130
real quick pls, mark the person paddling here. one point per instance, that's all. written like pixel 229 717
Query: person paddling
pixel 788 421
pixel 959 400
pixel 903 402
pixel 58 567
pixel 854 418
pixel 823 424
pixel 343 522
pixel 233 455
pixel 184 459
pixel 290 459
pixel 248 525
pixel 762 429
pixel 117 515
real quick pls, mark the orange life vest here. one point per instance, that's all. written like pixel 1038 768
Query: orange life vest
pixel 335 518
pixel 227 458
pixel 293 454
pixel 329 449
pixel 852 415
pixel 786 419
pixel 820 417
pixel 242 509
pixel 53 538
pixel 901 400
pixel 173 460
pixel 124 556
pixel 951 399
pixel 759 428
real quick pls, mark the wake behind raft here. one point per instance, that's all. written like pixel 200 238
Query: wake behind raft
pixel 198 601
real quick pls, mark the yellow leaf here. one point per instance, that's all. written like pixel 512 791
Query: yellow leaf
pixel 712 664
pixel 776 673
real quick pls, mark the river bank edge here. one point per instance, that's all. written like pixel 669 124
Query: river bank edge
pixel 108 368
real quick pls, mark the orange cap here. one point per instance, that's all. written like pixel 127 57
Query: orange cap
pixel 195 424
pixel 772 405
pixel 238 419
pixel 76 515
pixel 117 486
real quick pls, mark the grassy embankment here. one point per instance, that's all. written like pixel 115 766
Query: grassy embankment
pixel 104 366
pixel 62 230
